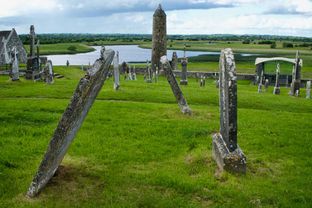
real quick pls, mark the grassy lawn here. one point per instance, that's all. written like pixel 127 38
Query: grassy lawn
pixel 62 48
pixel 135 148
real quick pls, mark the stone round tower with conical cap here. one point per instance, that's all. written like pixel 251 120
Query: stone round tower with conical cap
pixel 159 37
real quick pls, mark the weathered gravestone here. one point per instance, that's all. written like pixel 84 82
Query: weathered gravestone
pixel 183 80
pixel 48 74
pixel 260 82
pixel 148 76
pixel 73 117
pixel 116 71
pixel 296 77
pixel 225 149
pixel 175 87
pixel 174 61
pixel 266 84
pixel 15 66
pixel 308 91
pixel 202 81
pixel 277 89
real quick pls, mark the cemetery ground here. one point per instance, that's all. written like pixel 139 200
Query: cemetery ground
pixel 136 149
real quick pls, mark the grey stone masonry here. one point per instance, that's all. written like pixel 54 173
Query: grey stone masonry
pixel 159 40
pixel 296 77
pixel 175 87
pixel 226 151
pixel 72 119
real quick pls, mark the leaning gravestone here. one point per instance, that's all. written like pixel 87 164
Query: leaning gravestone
pixel 308 92
pixel 175 87
pixel 72 119
pixel 116 71
pixel 225 149
pixel 277 89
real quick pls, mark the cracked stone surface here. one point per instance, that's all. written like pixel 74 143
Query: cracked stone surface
pixel 71 121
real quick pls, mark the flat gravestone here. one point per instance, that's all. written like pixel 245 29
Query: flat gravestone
pixel 225 149
pixel 72 119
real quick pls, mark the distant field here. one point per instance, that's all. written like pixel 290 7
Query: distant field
pixel 63 48
pixel 245 64
pixel 135 148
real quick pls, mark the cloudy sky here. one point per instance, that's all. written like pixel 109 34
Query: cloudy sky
pixel 277 17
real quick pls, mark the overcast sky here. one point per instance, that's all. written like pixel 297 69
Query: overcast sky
pixel 274 17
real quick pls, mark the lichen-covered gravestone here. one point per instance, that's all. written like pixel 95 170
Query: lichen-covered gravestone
pixel 174 61
pixel 175 87
pixel 72 119
pixel 225 149
pixel 15 67
pixel 296 77
pixel 183 80
pixel 277 89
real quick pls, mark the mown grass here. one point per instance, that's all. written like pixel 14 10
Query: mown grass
pixel 135 148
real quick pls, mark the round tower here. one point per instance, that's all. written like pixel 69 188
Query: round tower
pixel 159 40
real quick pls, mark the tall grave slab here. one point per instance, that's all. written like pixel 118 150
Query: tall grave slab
pixel 159 40
pixel 15 65
pixel 277 89
pixel 174 61
pixel 185 109
pixel 183 80
pixel 72 119
pixel 225 149
pixel 296 77
pixel 116 71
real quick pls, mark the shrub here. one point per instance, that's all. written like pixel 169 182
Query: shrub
pixel 287 45
pixel 72 48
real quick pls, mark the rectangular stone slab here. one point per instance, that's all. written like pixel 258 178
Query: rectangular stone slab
pixel 72 119
pixel 228 99
pixel 175 87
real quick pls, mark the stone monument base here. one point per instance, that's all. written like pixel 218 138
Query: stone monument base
pixel 183 82
pixel 234 162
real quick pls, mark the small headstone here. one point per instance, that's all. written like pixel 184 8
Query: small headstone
pixel 217 82
pixel 175 87
pixel 116 71
pixel 67 63
pixel 183 80
pixel 296 77
pixel 308 91
pixel 15 66
pixel 267 84
pixel 260 83
pixel 174 61
pixel 48 74
pixel 202 81
pixel 225 149
pixel 149 76
pixel 277 89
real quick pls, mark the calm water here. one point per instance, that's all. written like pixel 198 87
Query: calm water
pixel 127 53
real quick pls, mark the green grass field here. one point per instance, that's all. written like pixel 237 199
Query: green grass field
pixel 62 48
pixel 135 148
